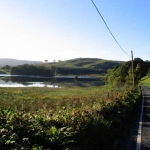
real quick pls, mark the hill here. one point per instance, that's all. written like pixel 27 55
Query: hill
pixel 78 66
pixel 15 62
pixel 87 63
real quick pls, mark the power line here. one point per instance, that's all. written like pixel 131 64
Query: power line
pixel 109 29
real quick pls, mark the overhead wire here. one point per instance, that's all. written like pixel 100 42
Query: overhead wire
pixel 109 29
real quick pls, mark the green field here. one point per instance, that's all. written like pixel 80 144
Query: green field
pixel 38 98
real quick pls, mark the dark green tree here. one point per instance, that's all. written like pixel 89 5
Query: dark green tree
pixel 137 73
pixel 129 79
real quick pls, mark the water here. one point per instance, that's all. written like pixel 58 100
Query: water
pixel 55 82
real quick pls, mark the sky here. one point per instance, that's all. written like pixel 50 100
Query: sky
pixel 51 30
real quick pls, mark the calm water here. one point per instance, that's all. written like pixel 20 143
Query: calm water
pixel 57 82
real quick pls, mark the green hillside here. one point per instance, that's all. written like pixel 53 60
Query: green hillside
pixel 79 66
pixel 89 63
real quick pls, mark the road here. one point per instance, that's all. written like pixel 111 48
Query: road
pixel 138 137
pixel 145 131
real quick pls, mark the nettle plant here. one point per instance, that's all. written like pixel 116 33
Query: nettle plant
pixel 20 130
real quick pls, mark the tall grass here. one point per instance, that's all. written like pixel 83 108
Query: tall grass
pixel 31 99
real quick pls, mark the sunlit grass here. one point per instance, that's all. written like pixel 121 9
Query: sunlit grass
pixel 145 81
pixel 39 98
pixel 52 98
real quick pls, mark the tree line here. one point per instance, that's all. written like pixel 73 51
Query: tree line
pixel 51 71
pixel 75 71
pixel 27 69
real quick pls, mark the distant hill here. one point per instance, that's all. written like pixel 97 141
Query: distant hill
pixel 78 66
pixel 15 62
pixel 88 63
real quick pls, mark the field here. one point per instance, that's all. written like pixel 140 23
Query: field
pixel 39 98
pixel 65 118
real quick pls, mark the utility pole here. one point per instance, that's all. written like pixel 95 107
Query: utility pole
pixel 132 68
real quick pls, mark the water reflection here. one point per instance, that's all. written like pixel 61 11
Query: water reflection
pixel 57 82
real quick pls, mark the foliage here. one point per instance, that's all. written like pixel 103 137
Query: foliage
pixel 93 120
pixel 5 69
pixel 76 71
pixel 31 70
pixel 20 130
pixel 148 72
pixel 123 74
pixel 2 72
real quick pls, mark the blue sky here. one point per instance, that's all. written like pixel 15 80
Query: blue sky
pixel 68 29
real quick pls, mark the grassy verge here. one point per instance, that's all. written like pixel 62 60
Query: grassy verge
pixel 69 119
pixel 145 80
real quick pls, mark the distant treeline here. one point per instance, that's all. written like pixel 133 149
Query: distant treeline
pixel 31 70
pixel 76 71
pixel 51 71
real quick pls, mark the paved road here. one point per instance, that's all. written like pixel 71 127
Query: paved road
pixel 139 136
pixel 145 131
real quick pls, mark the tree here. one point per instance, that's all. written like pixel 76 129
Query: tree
pixel 7 67
pixel 129 79
pixel 46 61
pixel 32 70
pixel 148 72
pixel 138 72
